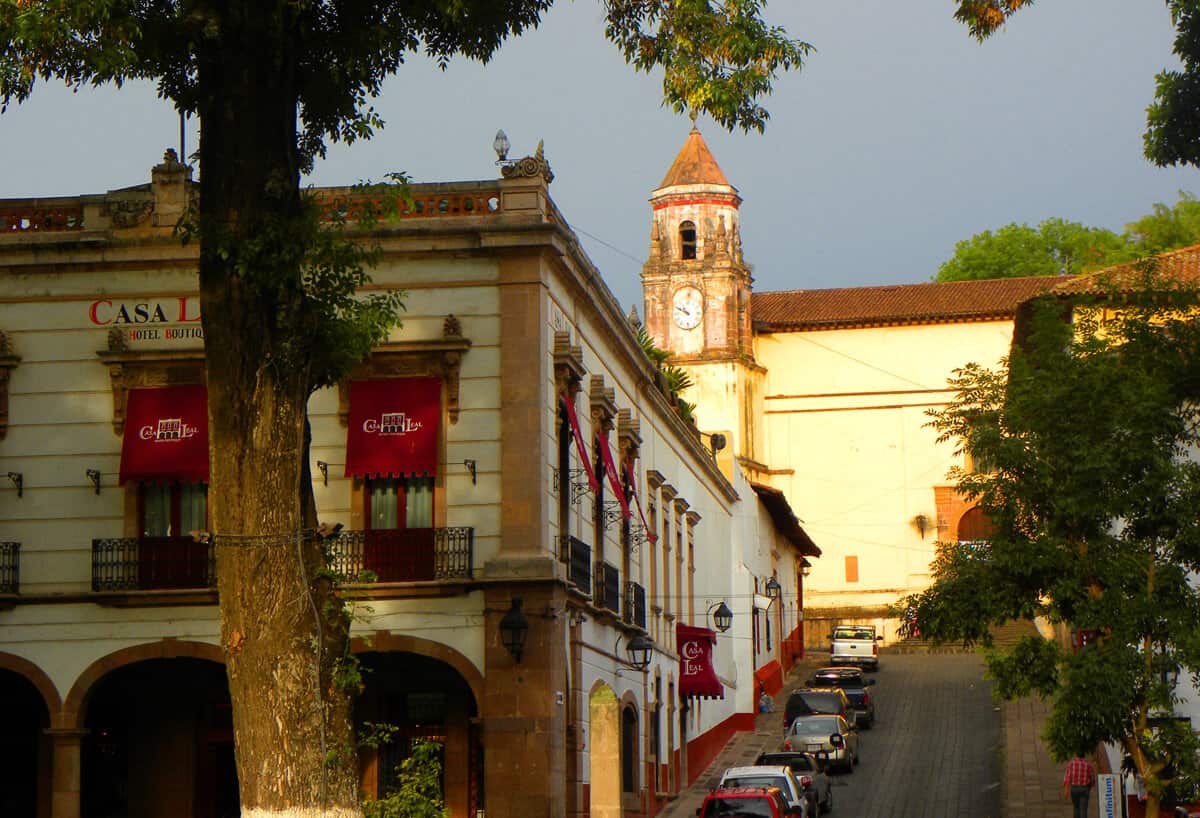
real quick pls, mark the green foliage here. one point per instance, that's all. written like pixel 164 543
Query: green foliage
pixel 677 380
pixel 718 58
pixel 1090 433
pixel 1059 247
pixel 417 790
pixel 1054 247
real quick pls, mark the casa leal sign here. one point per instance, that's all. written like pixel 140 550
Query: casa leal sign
pixel 150 321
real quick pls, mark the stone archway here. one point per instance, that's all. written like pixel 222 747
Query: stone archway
pixel 604 753
pixel 25 753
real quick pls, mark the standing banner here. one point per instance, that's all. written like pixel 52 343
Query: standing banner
pixel 1108 788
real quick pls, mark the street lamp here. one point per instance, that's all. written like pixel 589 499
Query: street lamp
pixel 514 627
pixel 722 616
pixel 501 145
pixel 639 649
pixel 774 590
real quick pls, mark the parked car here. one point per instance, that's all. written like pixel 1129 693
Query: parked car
pixel 831 735
pixel 777 776
pixel 747 802
pixel 809 770
pixel 806 701
pixel 851 682
pixel 854 645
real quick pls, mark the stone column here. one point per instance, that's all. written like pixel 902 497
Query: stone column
pixel 66 767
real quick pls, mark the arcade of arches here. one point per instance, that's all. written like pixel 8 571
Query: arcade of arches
pixel 148 734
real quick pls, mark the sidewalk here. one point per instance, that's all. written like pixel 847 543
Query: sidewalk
pixel 745 746
pixel 1032 783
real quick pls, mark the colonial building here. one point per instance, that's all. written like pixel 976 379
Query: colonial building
pixel 542 552
pixel 824 394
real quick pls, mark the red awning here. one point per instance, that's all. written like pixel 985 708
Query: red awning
pixel 697 678
pixel 393 427
pixel 166 435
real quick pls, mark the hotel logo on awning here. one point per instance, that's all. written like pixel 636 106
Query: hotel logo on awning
pixel 168 430
pixel 391 423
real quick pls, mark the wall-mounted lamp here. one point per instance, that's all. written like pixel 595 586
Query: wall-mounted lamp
pixel 805 569
pixel 716 442
pixel 639 649
pixel 94 476
pixel 922 524
pixel 18 480
pixel 471 466
pixel 514 627
pixel 773 588
pixel 323 467
pixel 722 616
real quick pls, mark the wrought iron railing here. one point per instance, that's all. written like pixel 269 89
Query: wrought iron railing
pixel 404 554
pixel 635 604
pixel 608 587
pixel 578 556
pixel 152 563
pixel 10 567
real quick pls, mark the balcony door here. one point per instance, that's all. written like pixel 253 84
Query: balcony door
pixel 399 542
pixel 168 557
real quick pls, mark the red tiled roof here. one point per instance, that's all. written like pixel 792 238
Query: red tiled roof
pixel 1180 266
pixel 694 165
pixel 784 518
pixel 896 304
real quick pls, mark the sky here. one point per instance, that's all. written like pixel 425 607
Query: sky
pixel 900 136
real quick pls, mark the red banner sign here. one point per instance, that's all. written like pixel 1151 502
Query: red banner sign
pixel 610 468
pixel 393 427
pixel 580 446
pixel 697 678
pixel 166 435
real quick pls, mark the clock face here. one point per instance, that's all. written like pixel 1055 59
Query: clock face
pixel 687 308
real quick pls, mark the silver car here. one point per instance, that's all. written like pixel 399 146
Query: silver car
pixel 774 776
pixel 829 736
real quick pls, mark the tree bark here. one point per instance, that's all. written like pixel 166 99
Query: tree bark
pixel 282 629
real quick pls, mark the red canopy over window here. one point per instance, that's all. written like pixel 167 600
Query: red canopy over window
pixel 697 678
pixel 393 427
pixel 166 435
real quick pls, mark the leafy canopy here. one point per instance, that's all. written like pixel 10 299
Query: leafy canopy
pixel 717 58
pixel 1091 435
pixel 1060 247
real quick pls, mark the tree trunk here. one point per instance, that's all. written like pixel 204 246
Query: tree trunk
pixel 282 630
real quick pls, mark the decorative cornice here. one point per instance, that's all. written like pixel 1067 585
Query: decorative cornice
pixel 439 357
pixel 654 479
pixel 691 518
pixel 668 493
pixel 530 167
pixel 146 369
pixel 681 506
pixel 603 400
pixel 629 436
pixel 568 365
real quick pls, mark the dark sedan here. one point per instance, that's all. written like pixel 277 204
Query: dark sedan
pixel 810 770
pixel 851 682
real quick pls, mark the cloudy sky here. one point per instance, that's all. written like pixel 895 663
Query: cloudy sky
pixel 900 137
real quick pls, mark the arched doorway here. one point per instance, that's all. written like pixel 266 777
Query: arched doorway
pixel 974 526
pixel 159 742
pixel 25 750
pixel 604 753
pixel 422 698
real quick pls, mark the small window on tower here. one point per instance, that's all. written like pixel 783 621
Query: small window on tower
pixel 687 239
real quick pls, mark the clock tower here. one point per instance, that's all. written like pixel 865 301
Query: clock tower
pixel 695 284
pixel 696 288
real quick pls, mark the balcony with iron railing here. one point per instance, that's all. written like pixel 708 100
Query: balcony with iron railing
pixel 389 555
pixel 10 567
pixel 635 605
pixel 608 587
pixel 578 557
pixel 403 554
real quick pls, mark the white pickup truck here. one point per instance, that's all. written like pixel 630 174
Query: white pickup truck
pixel 855 645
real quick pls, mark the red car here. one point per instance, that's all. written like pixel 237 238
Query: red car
pixel 748 802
